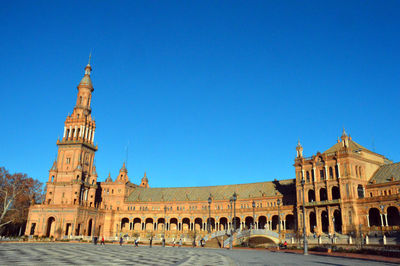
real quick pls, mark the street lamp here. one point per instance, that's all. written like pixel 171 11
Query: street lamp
pixel 304 222
pixel 234 198
pixel 165 224
pixel 231 233
pixel 279 219
pixel 209 214
pixel 382 222
pixel 254 216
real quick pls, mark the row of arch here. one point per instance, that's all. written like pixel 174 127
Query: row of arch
pixel 336 221
pixel 390 218
pixel 287 223
pixel 323 195
pixel 332 173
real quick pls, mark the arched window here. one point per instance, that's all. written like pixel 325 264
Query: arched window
pixel 336 171
pixel 311 195
pixel 308 176
pixel 330 173
pixel 360 191
pixel 321 174
pixel 80 99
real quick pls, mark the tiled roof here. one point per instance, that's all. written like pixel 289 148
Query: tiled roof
pixel 352 145
pixel 386 173
pixel 251 190
pixel 86 81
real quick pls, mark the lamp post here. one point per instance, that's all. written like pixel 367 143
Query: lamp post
pixel 382 221
pixel 231 233
pixel 279 219
pixel 304 222
pixel 254 216
pixel 234 198
pixel 165 224
pixel 209 214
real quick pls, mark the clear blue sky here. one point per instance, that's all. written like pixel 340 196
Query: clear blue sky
pixel 204 92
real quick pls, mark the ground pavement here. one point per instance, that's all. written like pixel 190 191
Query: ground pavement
pixel 88 254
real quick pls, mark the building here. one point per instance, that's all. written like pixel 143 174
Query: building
pixel 347 190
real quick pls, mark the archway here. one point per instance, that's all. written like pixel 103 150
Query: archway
pixel 374 217
pixel 185 224
pixel 50 226
pixel 313 222
pixel 198 224
pixel 124 224
pixel 323 195
pixel 89 231
pixel 275 221
pixel 173 224
pixel 335 192
pixel 149 224
pixel 137 224
pixel 393 216
pixel 248 221
pixel 262 221
pixel 311 195
pixel 223 223
pixel 160 224
pixel 289 221
pixel 338 221
pixel 212 224
pixel 325 222
pixel 236 223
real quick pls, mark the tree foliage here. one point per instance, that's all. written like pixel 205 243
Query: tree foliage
pixel 17 192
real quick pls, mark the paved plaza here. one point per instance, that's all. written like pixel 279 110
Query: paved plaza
pixel 87 254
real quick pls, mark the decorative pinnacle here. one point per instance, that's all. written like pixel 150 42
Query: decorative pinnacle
pixel 344 132
pixel 298 143
pixel 90 56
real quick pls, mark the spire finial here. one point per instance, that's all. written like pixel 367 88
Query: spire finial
pixel 344 132
pixel 144 173
pixel 90 56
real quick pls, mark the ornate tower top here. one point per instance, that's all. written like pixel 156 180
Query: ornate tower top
pixel 299 149
pixel 145 181
pixel 123 174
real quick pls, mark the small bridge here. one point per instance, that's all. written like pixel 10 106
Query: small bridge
pixel 256 236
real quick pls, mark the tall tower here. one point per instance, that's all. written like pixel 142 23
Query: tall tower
pixel 73 177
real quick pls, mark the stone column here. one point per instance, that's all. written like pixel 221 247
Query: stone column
pixel 367 219
pixel 382 224
pixel 386 220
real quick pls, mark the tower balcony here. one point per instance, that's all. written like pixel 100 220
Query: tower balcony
pixel 77 142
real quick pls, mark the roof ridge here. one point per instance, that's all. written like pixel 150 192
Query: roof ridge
pixel 262 182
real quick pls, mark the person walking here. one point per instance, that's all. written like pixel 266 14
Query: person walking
pixel 136 243
pixel 102 241
pixel 173 242
pixel 180 243
pixel 151 241
pixel 121 240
